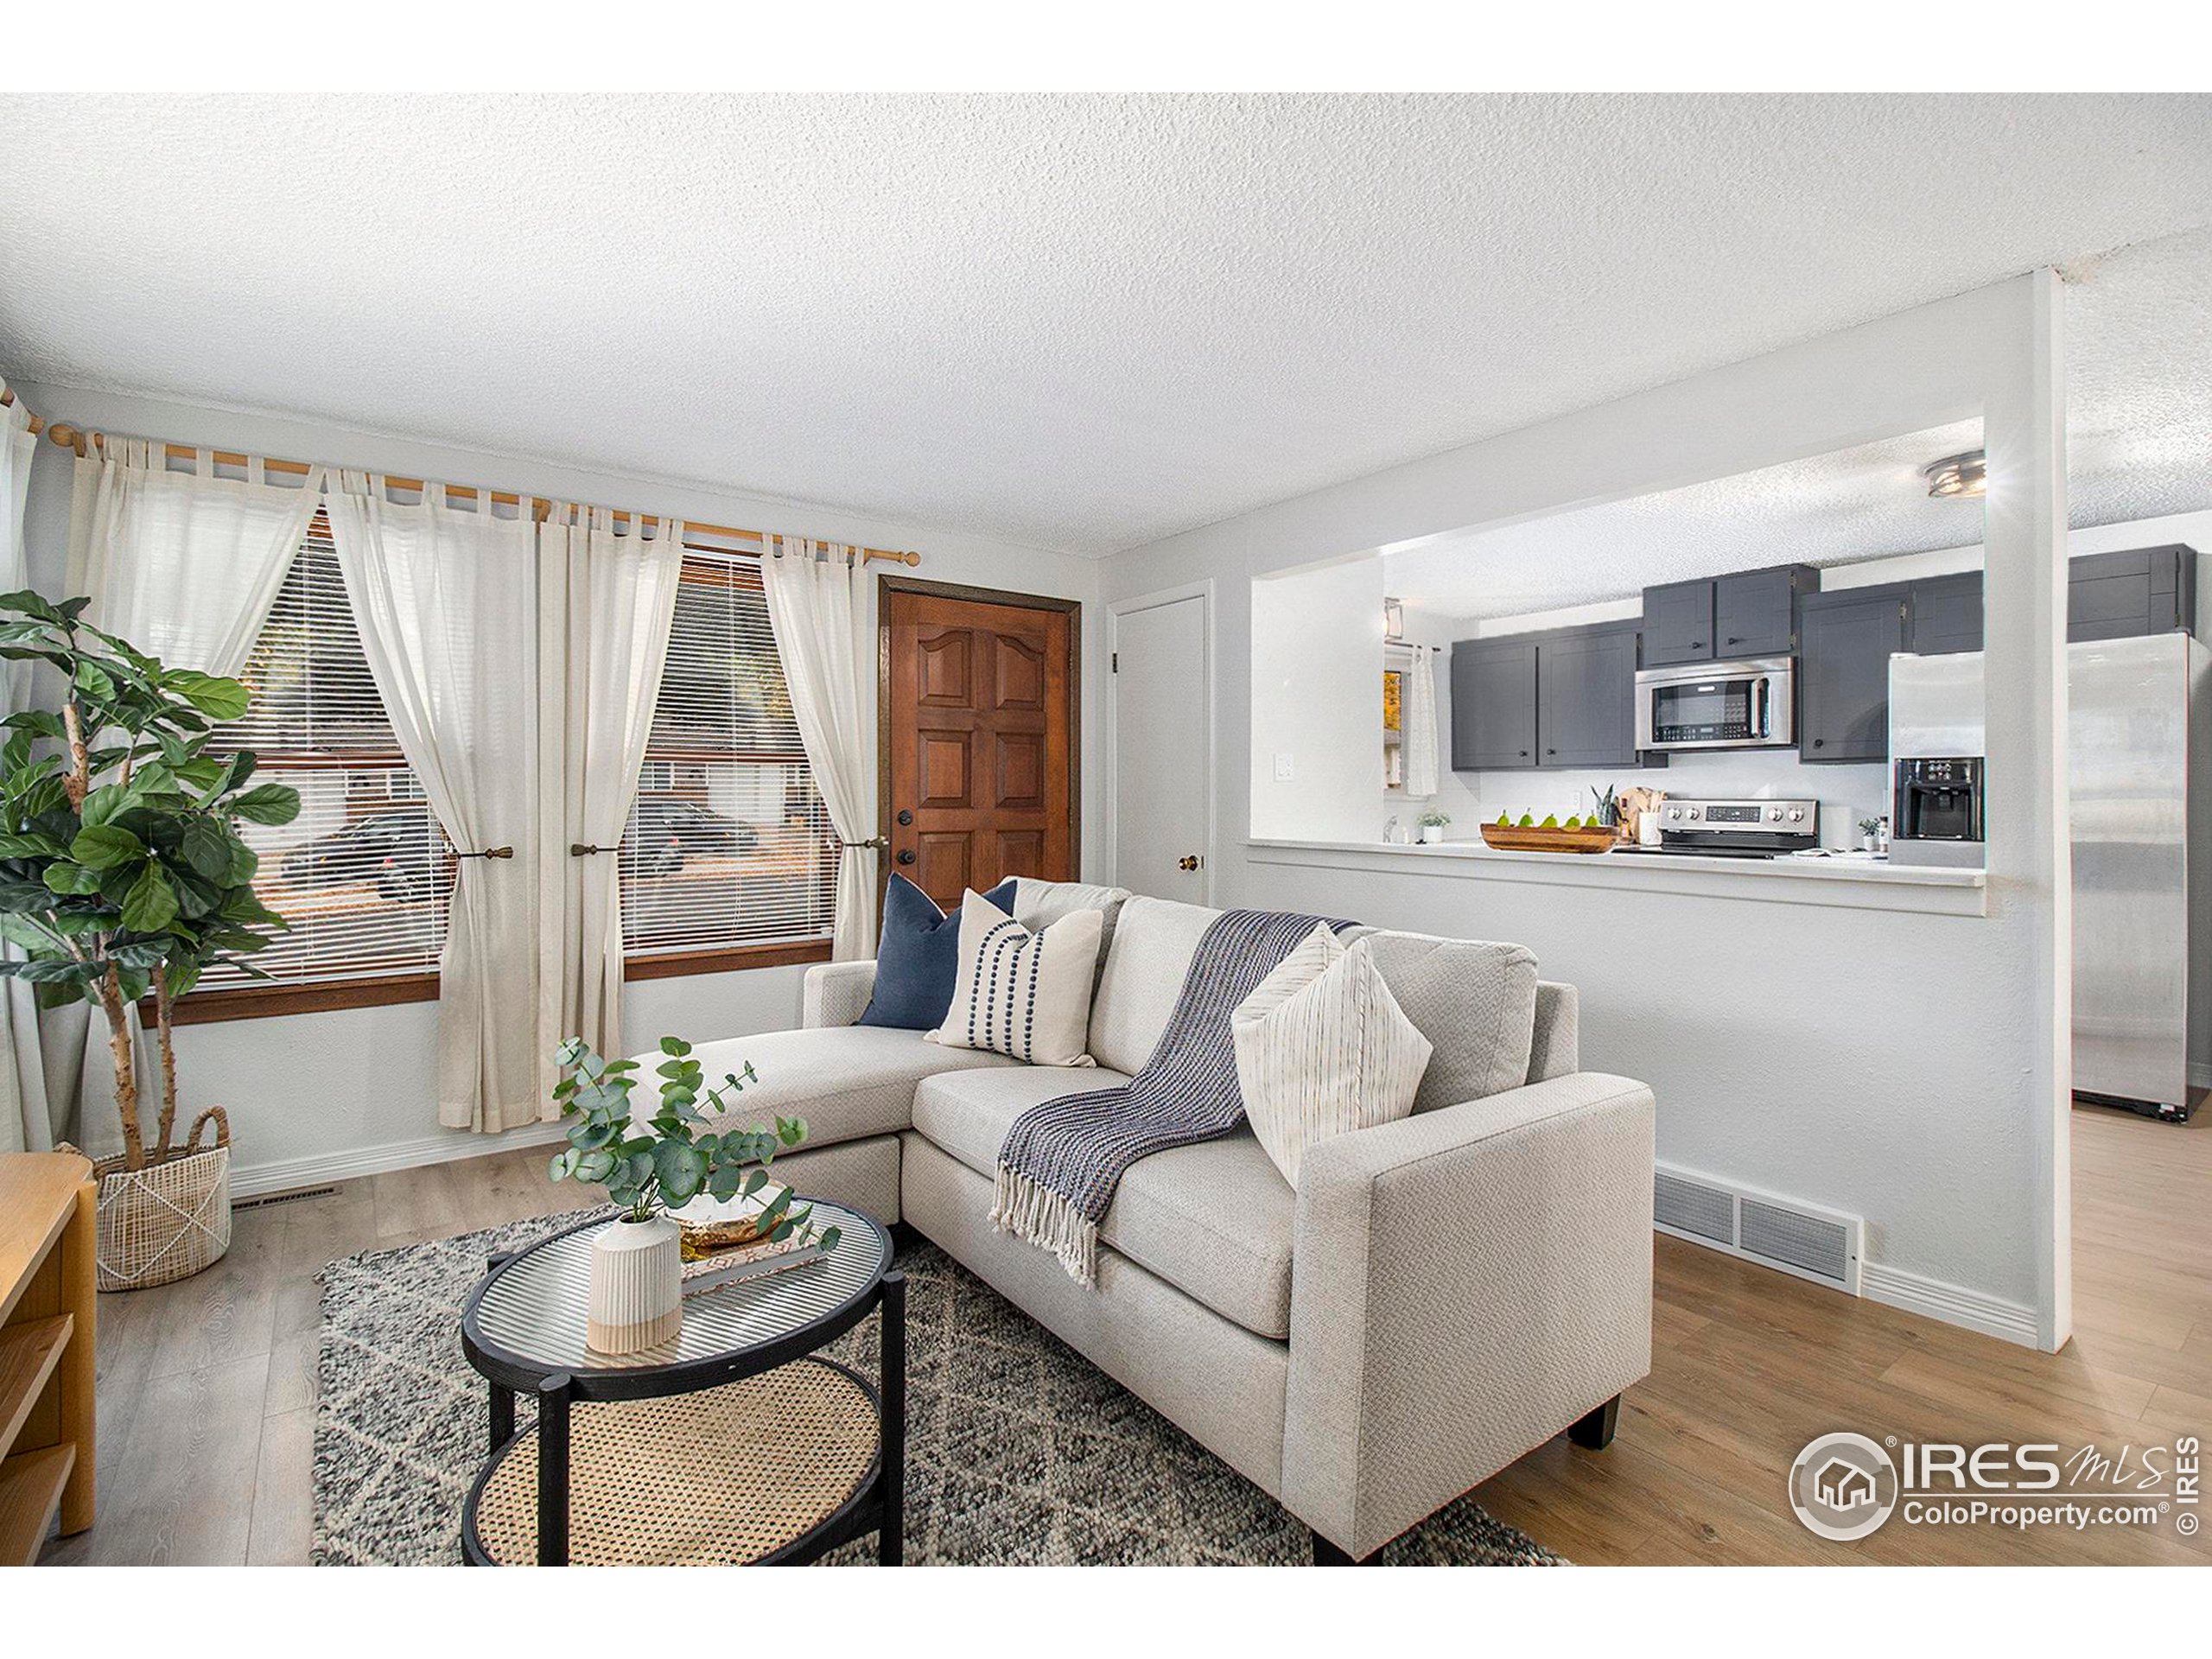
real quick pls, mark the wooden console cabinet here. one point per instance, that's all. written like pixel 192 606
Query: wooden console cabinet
pixel 48 1229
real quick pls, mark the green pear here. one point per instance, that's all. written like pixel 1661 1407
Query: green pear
pixel 1551 821
pixel 1527 821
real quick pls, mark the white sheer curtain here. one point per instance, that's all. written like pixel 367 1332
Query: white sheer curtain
pixel 1421 724
pixel 445 601
pixel 26 1124
pixel 184 564
pixel 817 606
pixel 606 601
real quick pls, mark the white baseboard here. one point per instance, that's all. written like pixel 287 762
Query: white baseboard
pixel 1952 1304
pixel 289 1174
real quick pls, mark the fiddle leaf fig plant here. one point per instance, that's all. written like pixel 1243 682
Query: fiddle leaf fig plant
pixel 677 1153
pixel 122 870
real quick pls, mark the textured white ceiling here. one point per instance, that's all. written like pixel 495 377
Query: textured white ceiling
pixel 1077 323
pixel 2138 349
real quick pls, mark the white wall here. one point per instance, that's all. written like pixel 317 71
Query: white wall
pixel 313 1096
pixel 1904 1067
pixel 1317 702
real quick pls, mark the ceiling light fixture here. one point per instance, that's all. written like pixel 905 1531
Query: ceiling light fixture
pixel 1958 475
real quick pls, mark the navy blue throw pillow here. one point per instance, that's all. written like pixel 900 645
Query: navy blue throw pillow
pixel 919 956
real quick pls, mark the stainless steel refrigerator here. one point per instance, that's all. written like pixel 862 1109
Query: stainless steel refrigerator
pixel 2140 773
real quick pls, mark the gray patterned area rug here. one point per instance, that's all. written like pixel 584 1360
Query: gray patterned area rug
pixel 1019 1450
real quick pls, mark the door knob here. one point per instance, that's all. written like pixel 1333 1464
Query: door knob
pixel 905 854
pixel 906 817
pixel 1188 861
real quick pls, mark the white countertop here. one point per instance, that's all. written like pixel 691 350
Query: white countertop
pixel 1855 883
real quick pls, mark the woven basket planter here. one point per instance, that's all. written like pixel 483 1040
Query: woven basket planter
pixel 168 1221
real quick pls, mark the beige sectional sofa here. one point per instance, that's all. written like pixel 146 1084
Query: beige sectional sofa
pixel 1440 1295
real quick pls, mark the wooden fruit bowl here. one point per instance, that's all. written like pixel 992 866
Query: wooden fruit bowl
pixel 1511 838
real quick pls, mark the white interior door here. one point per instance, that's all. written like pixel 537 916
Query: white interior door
pixel 1163 747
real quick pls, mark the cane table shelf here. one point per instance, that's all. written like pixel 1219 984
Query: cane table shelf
pixel 47 1227
pixel 734 1442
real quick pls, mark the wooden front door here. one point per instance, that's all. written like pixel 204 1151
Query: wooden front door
pixel 979 736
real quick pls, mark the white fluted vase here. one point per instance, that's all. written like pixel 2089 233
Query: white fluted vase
pixel 636 1286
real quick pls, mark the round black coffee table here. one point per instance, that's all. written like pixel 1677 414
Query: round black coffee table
pixel 735 1442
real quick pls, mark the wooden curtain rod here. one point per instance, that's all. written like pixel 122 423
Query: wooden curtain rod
pixel 541 507
pixel 38 423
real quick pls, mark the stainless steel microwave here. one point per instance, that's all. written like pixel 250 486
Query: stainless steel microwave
pixel 1741 705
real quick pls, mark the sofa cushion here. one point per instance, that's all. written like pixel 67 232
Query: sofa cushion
pixel 846 1081
pixel 1476 1002
pixel 919 957
pixel 1038 905
pixel 1213 1220
pixel 1153 943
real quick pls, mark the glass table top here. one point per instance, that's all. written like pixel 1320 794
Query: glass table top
pixel 534 1308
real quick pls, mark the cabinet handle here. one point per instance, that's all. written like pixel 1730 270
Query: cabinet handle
pixel 1551 751
pixel 1524 755
pixel 1735 639
pixel 1697 644
pixel 1819 742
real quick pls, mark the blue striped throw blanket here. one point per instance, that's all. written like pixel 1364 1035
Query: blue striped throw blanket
pixel 1061 1159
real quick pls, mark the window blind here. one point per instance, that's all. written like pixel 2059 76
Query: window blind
pixel 728 843
pixel 364 874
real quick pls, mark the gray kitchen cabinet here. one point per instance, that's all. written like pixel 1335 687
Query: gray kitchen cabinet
pixel 2123 596
pixel 1494 704
pixel 1946 614
pixel 1846 640
pixel 1752 613
pixel 1678 623
pixel 1586 696
pixel 1755 611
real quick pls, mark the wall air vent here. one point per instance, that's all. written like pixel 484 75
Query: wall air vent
pixel 1694 1208
pixel 1799 1238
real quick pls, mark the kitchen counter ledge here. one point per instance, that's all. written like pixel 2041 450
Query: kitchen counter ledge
pixel 1850 883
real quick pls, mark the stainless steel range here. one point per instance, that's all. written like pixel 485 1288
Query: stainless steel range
pixel 1737 828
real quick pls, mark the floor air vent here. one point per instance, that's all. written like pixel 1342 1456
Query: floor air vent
pixel 293 1197
pixel 1800 1238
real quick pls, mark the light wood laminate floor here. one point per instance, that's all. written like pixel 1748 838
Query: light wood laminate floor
pixel 206 1388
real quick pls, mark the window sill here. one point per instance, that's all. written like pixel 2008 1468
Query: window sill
pixel 273 1002
pixel 269 1001
pixel 726 960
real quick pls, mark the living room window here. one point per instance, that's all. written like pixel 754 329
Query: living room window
pixel 364 874
pixel 729 860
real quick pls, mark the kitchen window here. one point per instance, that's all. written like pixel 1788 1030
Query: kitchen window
pixel 364 874
pixel 728 860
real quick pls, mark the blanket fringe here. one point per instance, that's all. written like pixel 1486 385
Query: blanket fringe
pixel 1043 1217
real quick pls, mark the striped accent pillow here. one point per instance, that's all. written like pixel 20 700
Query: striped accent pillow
pixel 1023 994
pixel 1323 1049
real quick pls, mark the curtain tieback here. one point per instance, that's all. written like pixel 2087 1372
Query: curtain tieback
pixel 489 852
pixel 873 840
pixel 578 849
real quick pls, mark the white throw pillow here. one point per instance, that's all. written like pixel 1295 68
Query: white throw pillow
pixel 1020 993
pixel 1323 1049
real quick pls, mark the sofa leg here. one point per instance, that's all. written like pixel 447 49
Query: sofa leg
pixel 1327 1554
pixel 1595 1432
